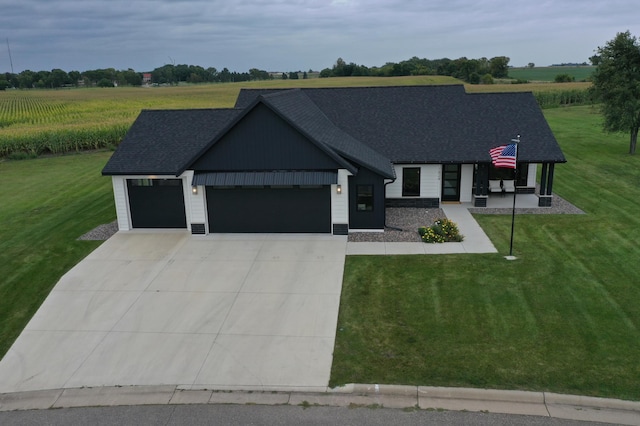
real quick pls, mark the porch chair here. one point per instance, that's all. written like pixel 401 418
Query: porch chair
pixel 509 185
pixel 495 186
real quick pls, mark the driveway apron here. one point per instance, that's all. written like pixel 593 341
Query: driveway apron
pixel 225 311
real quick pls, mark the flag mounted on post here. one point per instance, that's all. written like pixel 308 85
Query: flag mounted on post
pixel 504 156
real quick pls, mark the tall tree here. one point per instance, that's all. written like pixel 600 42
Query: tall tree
pixel 499 66
pixel 616 84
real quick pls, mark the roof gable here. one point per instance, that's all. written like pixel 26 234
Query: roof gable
pixel 260 139
pixel 302 113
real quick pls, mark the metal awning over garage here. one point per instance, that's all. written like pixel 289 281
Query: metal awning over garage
pixel 276 178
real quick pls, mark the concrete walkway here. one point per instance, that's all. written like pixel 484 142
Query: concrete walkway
pixel 235 311
pixel 475 240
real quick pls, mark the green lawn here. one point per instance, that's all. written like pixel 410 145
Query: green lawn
pixel 565 317
pixel 46 204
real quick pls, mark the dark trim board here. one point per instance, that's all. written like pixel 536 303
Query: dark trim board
pixel 421 203
pixel 269 210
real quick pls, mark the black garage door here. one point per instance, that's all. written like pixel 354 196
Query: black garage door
pixel 156 203
pixel 275 209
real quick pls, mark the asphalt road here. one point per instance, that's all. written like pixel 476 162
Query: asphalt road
pixel 230 415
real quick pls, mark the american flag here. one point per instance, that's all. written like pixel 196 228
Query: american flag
pixel 504 156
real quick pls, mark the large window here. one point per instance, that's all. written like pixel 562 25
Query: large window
pixel 364 198
pixel 411 182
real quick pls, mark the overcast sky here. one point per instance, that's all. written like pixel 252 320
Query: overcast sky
pixel 290 35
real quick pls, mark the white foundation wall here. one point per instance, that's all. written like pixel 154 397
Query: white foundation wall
pixel 430 181
pixel 340 202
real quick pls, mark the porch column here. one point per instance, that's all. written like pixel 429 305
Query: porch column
pixel 482 182
pixel 546 185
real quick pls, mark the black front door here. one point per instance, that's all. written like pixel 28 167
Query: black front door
pixel 451 182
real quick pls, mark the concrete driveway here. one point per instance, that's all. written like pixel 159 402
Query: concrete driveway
pixel 224 311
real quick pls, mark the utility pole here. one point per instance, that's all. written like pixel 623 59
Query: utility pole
pixel 10 60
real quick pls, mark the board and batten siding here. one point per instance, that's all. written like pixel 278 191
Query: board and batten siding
pixel 340 202
pixel 430 178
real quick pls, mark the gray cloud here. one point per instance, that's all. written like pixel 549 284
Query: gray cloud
pixel 301 34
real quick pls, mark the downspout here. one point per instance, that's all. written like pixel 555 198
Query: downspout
pixel 385 199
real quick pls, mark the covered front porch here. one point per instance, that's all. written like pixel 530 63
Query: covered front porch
pixel 523 181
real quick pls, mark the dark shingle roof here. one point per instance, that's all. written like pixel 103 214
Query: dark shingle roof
pixel 370 126
pixel 434 124
pixel 163 141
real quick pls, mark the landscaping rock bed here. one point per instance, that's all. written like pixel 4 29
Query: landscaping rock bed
pixel 402 225
pixel 102 232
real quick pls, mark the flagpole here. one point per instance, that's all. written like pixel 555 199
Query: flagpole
pixel 513 210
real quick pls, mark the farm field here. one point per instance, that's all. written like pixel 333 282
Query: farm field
pixel 580 73
pixel 33 122
pixel 564 317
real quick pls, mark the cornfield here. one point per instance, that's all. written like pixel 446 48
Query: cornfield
pixel 35 122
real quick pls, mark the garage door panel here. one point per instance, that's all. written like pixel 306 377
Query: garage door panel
pixel 156 203
pixel 269 209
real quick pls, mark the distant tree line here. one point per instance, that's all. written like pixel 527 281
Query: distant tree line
pixel 58 78
pixel 473 71
pixel 571 64
pixel 109 77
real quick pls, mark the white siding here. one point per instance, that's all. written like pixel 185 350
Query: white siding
pixel 187 178
pixel 430 175
pixel 122 202
pixel 466 183
pixel 198 205
pixel 340 202
pixel 531 177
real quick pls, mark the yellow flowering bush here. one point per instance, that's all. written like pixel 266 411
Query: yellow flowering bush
pixel 442 231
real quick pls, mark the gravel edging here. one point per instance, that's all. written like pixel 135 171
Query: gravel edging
pixel 100 233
